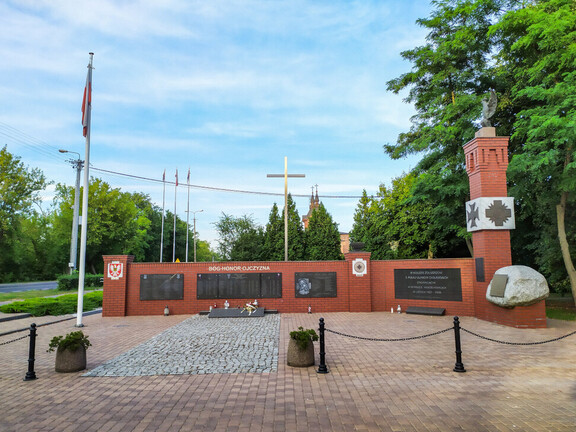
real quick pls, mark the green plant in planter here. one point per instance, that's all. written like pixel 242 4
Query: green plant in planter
pixel 72 341
pixel 303 337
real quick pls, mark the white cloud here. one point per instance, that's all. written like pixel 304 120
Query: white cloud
pixel 227 87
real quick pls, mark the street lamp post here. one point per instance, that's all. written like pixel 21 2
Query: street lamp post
pixel 194 219
pixel 77 164
pixel 285 175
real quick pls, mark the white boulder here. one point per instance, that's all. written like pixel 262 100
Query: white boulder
pixel 525 286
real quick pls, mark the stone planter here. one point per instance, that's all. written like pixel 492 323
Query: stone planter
pixel 300 357
pixel 70 361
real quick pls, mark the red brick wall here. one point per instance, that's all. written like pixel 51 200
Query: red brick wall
pixel 190 304
pixel 372 292
pixel 359 287
pixel 114 295
pixel 486 165
pixel 383 285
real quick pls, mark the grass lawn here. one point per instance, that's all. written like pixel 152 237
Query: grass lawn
pixel 24 295
pixel 560 307
pixel 561 314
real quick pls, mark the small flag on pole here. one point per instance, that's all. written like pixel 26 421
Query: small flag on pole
pixel 188 178
pixel 164 176
pixel 176 177
pixel 87 103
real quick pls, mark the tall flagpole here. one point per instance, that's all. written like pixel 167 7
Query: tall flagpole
pixel 187 212
pixel 163 206
pixel 86 124
pixel 174 237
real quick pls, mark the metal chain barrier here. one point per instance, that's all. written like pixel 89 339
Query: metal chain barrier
pixel 517 343
pixel 458 366
pixel 50 323
pixel 14 340
pixel 389 339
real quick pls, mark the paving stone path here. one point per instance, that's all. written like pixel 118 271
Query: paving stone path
pixel 406 386
pixel 202 345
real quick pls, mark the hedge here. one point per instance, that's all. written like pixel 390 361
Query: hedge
pixel 69 282
pixel 61 305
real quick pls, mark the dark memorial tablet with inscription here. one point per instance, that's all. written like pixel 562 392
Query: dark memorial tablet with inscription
pixel 428 284
pixel 315 284
pixel 207 286
pixel 162 286
pixel 238 285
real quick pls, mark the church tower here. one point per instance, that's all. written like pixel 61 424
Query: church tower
pixel 314 204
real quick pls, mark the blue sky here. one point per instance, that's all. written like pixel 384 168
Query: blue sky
pixel 226 89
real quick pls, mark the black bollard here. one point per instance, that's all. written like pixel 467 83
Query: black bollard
pixel 459 366
pixel 322 367
pixel 31 375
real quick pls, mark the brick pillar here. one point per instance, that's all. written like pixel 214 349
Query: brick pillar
pixel 116 270
pixel 486 164
pixel 359 281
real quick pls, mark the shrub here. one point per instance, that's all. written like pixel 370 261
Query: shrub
pixel 62 305
pixel 69 282
pixel 303 337
pixel 72 341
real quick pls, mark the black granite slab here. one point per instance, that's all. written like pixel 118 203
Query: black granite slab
pixel 235 313
pixel 425 310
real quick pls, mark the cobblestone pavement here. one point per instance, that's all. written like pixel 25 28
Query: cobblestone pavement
pixel 372 386
pixel 203 345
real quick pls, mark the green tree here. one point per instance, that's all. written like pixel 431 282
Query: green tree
pixel 322 237
pixel 407 222
pixel 114 225
pixel 296 239
pixel 236 235
pixel 149 228
pixel 369 225
pixel 34 249
pixel 20 189
pixel 451 73
pixel 204 252
pixel 538 53
pixel 362 217
pixel 525 51
pixel 249 246
pixel 392 225
pixel 274 237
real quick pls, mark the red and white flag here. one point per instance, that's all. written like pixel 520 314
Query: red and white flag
pixel 87 102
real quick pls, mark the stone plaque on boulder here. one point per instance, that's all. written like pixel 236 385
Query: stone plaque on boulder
pixel 524 287
pixel 498 285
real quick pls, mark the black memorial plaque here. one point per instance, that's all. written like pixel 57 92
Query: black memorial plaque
pixel 207 286
pixel 315 284
pixel 428 284
pixel 162 286
pixel 270 285
pixel 479 269
pixel 238 285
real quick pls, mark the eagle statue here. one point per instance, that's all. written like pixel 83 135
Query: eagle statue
pixel 488 108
